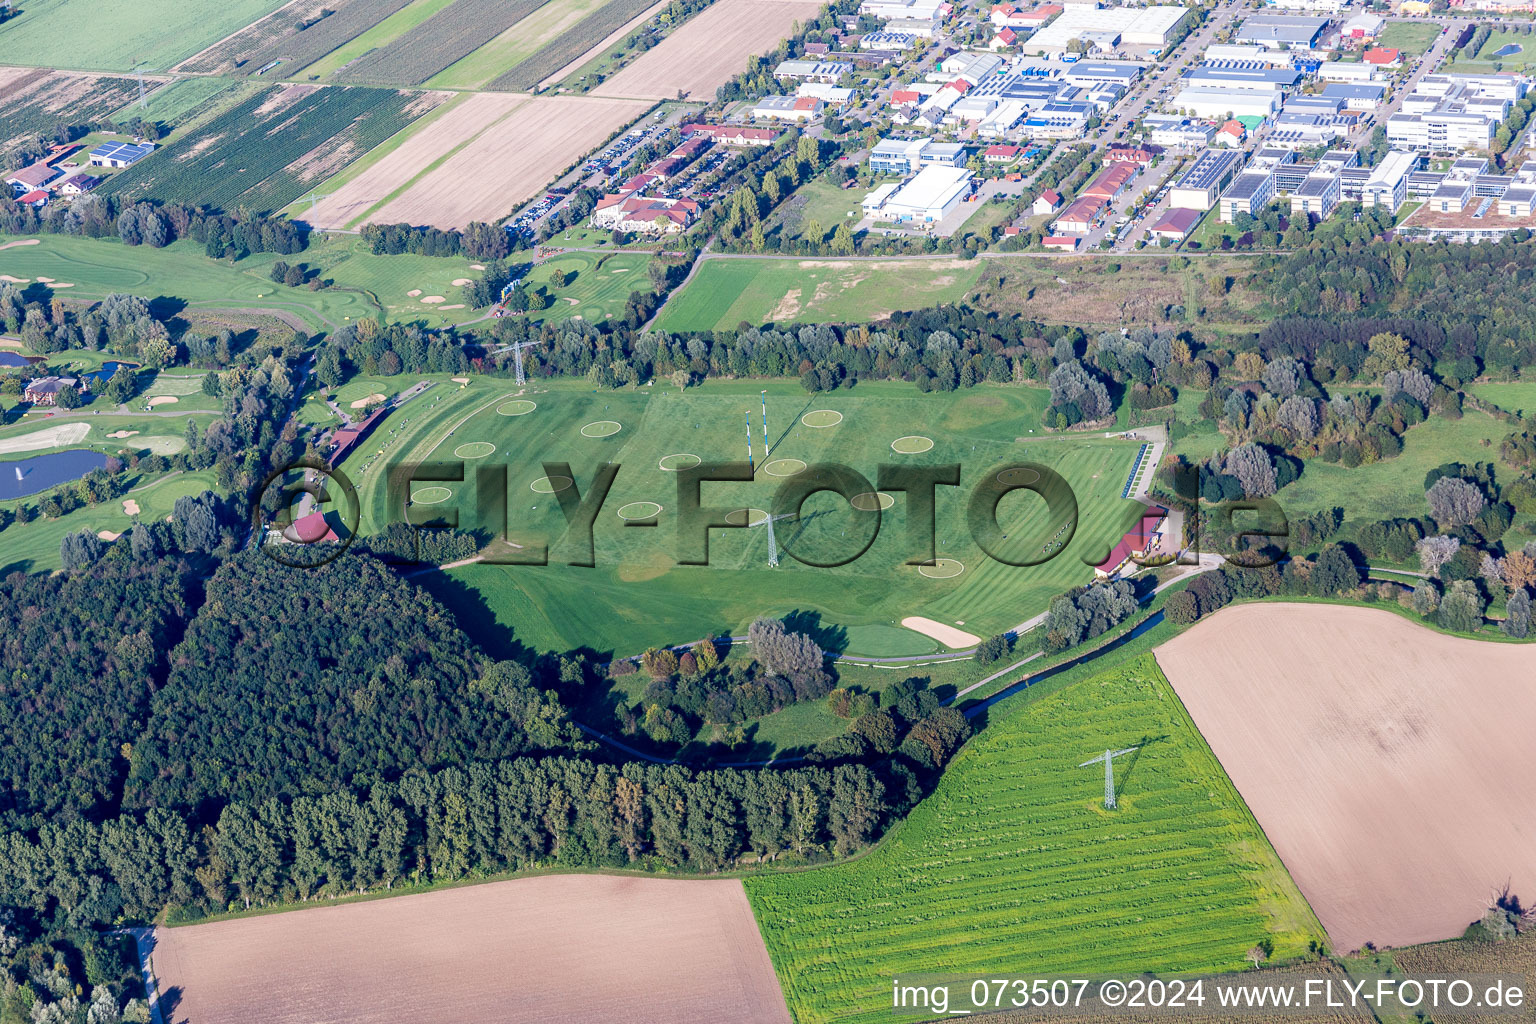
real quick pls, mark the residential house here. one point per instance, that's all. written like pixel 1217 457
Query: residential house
pixel 1048 201
pixel 652 215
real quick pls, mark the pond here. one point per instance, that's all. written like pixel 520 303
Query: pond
pixel 98 378
pixel 1508 50
pixel 44 472
pixel 12 359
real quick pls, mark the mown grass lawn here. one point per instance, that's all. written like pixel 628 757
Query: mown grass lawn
pixel 638 594
pixel 1410 37
pixel 726 292
pixel 1014 867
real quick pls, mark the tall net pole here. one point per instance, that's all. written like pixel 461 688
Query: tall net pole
pixel 765 424
pixel 749 439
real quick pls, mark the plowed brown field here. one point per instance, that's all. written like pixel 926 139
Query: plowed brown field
pixel 1391 766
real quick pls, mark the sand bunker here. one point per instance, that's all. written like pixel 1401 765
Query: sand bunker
pixel 24 241
pixel 163 400
pixel 414 292
pixel 118 435
pixel 947 635
pixel 460 282
pixel 460 380
pixel 15 280
pixel 456 305
pixel 131 507
pixel 363 403
pixel 433 300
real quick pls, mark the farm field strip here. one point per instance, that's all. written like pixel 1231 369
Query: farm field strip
pixel 1013 864
pixel 33 101
pixel 553 19
pixel 387 31
pixel 176 101
pixel 663 949
pixel 265 152
pixel 510 162
pixel 594 54
pixel 442 40
pixel 274 37
pixel 711 47
pixel 1384 726
pixel 558 49
pixel 116 35
pixel 356 193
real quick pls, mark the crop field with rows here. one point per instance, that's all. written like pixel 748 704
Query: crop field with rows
pixel 36 101
pixel 1014 867
pixel 277 37
pixel 559 52
pixel 443 39
pixel 266 152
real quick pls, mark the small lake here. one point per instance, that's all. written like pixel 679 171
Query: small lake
pixel 1508 50
pixel 99 378
pixel 12 359
pixel 45 472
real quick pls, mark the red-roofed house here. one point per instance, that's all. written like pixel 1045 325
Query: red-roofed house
pixel 644 213
pixel 734 135
pixel 1136 543
pixel 1048 201
pixel 310 529
pixel 344 439
pixel 37 197
pixel 1001 154
pixel 1081 216
pixel 1119 152
pixel 1230 134
pixel 1037 16
pixel 34 177
pixel 1384 58
pixel 960 86
pixel 1112 181
pixel 638 183
pixel 901 97
pixel 1175 225
pixel 1066 242
pixel 1004 37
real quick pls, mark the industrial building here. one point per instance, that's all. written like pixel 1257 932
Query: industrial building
pixel 1177 132
pixel 1107 28
pixel 1281 32
pixel 1233 75
pixel 1447 113
pixel 1198 187
pixel 934 193
pixel 1205 101
pixel 1387 184
pixel 908 156
pixel 828 71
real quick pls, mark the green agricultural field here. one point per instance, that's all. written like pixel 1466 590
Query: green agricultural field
pixel 562 45
pixel 173 103
pixel 381 34
pixel 601 287
pixel 514 45
pixel 1411 37
pixel 726 292
pixel 113 35
pixel 33 101
pixel 1512 396
pixel 637 595
pixel 180 272
pixel 247 156
pixel 1014 867
pixel 440 41
pixel 34 546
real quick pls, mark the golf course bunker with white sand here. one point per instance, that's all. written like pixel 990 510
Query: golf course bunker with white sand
pixel 550 484
pixel 944 633
pixel 784 467
pixel 639 510
pixel 872 501
pixel 474 450
pixel 912 444
pixel 678 461
pixel 516 407
pixel 601 428
pixel 822 418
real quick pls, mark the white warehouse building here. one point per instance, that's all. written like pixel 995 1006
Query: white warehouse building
pixel 1151 27
pixel 934 193
pixel 1209 101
